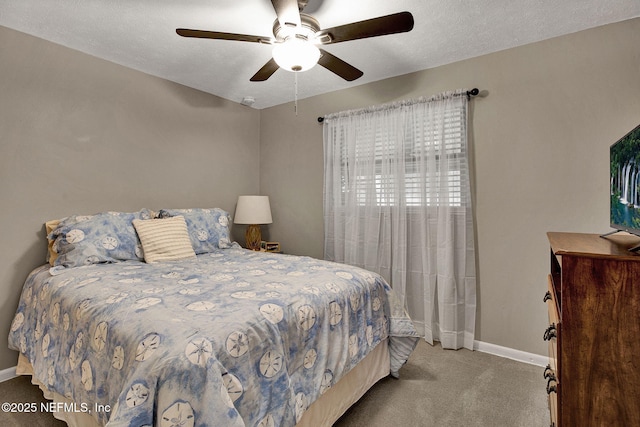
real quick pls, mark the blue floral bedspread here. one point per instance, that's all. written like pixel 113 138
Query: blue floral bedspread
pixel 232 338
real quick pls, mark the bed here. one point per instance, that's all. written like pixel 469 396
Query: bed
pixel 221 336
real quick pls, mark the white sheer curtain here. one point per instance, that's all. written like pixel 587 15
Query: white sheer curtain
pixel 397 201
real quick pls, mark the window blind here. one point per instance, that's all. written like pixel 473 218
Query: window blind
pixel 433 170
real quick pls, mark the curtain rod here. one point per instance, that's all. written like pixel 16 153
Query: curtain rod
pixel 470 93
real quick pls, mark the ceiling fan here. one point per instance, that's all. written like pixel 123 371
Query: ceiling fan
pixel 296 37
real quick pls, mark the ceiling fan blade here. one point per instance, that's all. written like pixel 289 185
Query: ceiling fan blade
pixel 338 66
pixel 265 72
pixel 288 12
pixel 390 24
pixel 184 32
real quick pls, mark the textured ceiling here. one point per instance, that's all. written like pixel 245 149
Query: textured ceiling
pixel 140 34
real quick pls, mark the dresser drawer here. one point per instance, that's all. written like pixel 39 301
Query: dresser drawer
pixel 552 332
pixel 551 335
pixel 553 408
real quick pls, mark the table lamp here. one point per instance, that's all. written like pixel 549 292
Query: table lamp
pixel 253 210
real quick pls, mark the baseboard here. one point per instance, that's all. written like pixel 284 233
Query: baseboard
pixel 7 374
pixel 510 353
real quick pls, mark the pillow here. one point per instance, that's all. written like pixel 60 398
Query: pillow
pixel 91 239
pixel 208 228
pixel 165 239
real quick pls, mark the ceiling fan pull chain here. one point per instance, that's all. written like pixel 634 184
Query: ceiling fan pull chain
pixel 295 107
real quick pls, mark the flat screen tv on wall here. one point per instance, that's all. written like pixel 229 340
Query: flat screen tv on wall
pixel 625 184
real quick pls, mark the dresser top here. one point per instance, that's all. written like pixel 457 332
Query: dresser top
pixel 581 244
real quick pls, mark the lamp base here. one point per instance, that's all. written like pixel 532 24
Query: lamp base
pixel 253 237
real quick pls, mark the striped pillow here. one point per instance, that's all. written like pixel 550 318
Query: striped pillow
pixel 164 239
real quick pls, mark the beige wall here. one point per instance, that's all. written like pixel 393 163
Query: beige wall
pixel 82 135
pixel 541 141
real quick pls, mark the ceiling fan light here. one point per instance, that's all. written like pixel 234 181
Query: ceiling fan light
pixel 295 54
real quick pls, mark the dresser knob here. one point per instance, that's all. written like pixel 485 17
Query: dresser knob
pixel 547 297
pixel 550 333
pixel 552 388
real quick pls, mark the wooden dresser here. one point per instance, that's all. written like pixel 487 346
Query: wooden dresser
pixel 593 298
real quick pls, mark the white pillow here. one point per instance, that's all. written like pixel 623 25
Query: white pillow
pixel 164 239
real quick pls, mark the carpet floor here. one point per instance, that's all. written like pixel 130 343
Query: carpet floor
pixel 439 388
pixel 447 388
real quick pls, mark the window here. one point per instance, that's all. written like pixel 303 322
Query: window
pixel 430 157
pixel 397 201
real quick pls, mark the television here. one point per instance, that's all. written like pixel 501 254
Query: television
pixel 624 206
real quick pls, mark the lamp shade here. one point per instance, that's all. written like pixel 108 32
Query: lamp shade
pixel 253 210
pixel 296 55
